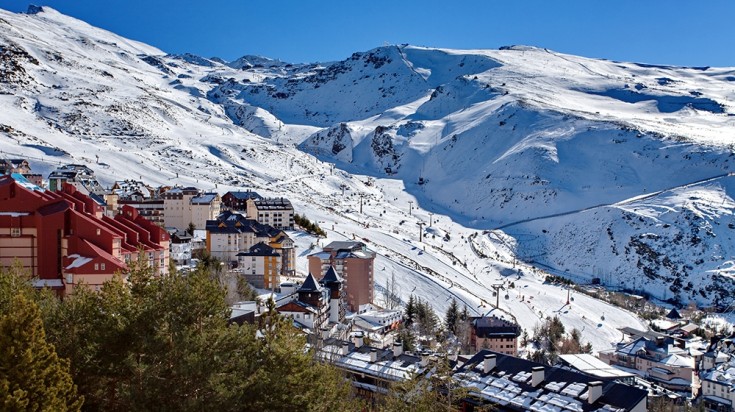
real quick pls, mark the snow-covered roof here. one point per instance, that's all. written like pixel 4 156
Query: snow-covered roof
pixel 358 359
pixel 51 283
pixel 591 365
pixel 509 383
pixel 664 324
pixel 678 360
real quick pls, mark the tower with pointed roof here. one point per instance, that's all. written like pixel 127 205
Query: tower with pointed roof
pixel 311 292
pixel 337 302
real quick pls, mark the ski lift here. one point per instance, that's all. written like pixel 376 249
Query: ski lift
pixel 507 296
pixel 495 293
pixel 421 180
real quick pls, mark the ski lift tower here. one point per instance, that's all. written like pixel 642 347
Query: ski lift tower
pixel 497 288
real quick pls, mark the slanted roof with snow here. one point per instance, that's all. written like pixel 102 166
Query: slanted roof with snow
pixel 677 360
pixel 358 359
pixel 204 199
pixel 591 365
pixel 509 384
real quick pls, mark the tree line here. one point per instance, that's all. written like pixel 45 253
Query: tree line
pixel 149 343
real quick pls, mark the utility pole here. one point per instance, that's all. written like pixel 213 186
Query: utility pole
pixel 410 207
pixel 421 231
pixel 361 195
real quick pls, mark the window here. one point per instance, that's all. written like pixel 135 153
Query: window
pixel 98 231
pixel 102 266
pixel 96 266
pixel 15 232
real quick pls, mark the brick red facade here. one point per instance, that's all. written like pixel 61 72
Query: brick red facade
pixel 62 238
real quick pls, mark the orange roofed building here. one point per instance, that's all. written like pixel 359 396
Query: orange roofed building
pixel 63 239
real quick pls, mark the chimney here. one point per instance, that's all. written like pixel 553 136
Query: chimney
pixel 358 340
pixel 397 349
pixel 594 391
pixel 345 349
pixel 425 358
pixel 489 363
pixel 537 375
pixel 373 355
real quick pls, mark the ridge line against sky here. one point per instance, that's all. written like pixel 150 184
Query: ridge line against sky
pixel 676 32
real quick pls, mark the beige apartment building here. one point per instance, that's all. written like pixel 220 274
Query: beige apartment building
pixel 182 206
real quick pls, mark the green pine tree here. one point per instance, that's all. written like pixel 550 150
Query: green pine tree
pixel 32 376
pixel 410 313
pixel 452 317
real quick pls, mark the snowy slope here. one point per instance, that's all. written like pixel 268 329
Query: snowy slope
pixel 551 149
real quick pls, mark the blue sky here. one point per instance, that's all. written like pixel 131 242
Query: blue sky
pixel 678 32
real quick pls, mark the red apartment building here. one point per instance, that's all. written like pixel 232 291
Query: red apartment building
pixel 63 239
pixel 353 263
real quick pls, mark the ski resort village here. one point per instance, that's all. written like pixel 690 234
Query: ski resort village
pixel 409 228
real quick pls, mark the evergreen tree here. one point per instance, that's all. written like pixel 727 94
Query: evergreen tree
pixel 465 315
pixel 32 376
pixel 410 313
pixel 164 343
pixel 452 317
pixel 426 317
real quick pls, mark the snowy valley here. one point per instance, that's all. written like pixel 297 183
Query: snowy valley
pixel 502 162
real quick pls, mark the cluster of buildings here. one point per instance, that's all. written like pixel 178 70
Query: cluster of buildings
pixel 94 231
pixel 73 230
pixel 64 238
pixel 494 380
pixel 674 362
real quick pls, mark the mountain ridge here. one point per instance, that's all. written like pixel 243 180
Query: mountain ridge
pixel 495 137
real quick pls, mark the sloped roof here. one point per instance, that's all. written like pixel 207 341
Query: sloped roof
pixel 509 385
pixel 331 277
pixel 273 204
pixel 344 245
pixel 244 195
pixel 229 222
pixel 673 314
pixel 676 360
pixel 310 285
pixel 204 199
pixel 260 249
pixel 493 326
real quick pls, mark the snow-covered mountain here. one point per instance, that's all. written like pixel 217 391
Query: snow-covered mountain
pixel 587 168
